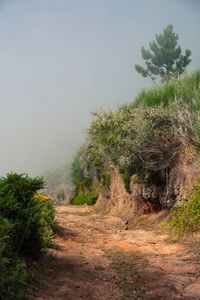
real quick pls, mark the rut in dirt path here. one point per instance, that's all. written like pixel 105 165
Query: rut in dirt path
pixel 97 258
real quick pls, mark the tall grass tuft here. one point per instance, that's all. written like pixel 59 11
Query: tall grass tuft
pixel 187 88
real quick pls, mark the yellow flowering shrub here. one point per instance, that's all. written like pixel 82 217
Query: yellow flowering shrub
pixel 48 214
pixel 41 197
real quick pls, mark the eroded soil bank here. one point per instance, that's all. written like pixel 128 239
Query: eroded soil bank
pixel 96 257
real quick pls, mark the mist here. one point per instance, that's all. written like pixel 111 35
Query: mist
pixel 61 60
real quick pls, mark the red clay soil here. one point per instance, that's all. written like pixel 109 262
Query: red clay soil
pixel 96 257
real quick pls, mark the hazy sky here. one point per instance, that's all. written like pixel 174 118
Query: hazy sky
pixel 60 60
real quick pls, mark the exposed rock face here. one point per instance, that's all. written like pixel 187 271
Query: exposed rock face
pixel 117 201
pixel 148 198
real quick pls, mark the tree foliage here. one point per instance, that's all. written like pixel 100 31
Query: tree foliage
pixel 165 58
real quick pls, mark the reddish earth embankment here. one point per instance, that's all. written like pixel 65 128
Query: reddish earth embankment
pixel 98 257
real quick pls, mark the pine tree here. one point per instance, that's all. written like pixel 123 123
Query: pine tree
pixel 164 58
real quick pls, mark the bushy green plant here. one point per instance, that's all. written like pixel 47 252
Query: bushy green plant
pixel 26 228
pixel 12 269
pixel 89 164
pixel 21 186
pixel 49 225
pixel 186 217
pixel 90 198
pixel 84 194
pixel 26 214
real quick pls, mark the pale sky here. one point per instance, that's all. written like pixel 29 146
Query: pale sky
pixel 60 60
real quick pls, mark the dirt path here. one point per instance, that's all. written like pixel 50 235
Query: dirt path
pixel 97 258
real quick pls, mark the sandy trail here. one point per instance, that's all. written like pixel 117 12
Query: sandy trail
pixel 97 258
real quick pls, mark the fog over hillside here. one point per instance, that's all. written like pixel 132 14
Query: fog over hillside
pixel 60 60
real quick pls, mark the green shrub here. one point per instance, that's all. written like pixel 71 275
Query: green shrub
pixel 12 269
pixel 26 228
pixel 27 222
pixel 49 225
pixel 86 160
pixel 81 197
pixel 186 217
pixel 20 186
pixel 26 214
pixel 90 198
